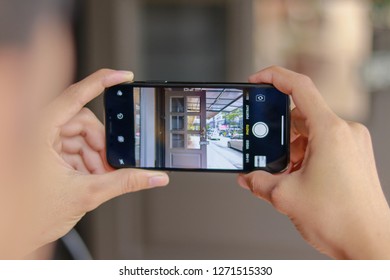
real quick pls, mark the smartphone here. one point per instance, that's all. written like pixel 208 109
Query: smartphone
pixel 229 127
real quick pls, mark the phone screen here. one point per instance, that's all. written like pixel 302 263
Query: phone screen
pixel 202 127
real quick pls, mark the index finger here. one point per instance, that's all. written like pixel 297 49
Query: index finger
pixel 305 95
pixel 72 100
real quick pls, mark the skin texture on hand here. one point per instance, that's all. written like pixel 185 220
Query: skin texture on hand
pixel 331 191
pixel 67 172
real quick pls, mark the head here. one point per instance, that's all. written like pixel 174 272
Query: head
pixel 36 60
pixel 35 46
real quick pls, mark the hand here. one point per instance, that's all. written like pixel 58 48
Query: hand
pixel 71 176
pixel 331 191
pixel 81 144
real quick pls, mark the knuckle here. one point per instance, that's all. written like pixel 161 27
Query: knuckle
pixel 74 92
pixel 254 184
pixel 275 68
pixel 90 119
pixel 275 197
pixel 70 94
pixel 87 113
pixel 361 131
pixel 349 130
pixel 132 182
pixel 87 116
pixel 280 199
pixel 102 71
pixel 359 128
pixel 304 80
pixel 337 126
pixel 72 88
pixel 340 125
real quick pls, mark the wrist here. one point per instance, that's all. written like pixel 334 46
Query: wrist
pixel 373 242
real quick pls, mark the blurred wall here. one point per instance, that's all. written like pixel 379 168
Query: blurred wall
pixel 328 40
pixel 198 216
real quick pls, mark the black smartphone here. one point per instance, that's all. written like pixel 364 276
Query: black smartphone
pixel 230 127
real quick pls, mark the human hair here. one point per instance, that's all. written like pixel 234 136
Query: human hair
pixel 17 17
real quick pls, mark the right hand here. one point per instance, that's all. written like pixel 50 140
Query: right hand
pixel 331 191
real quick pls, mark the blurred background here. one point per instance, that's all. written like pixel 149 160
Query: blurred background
pixel 343 45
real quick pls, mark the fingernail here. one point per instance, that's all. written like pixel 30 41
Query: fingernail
pixel 128 74
pixel 251 78
pixel 158 181
pixel 242 182
pixel 118 77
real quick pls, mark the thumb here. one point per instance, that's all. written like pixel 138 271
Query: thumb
pixel 107 186
pixel 298 124
pixel 261 183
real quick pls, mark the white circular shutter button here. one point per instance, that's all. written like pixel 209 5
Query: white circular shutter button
pixel 260 129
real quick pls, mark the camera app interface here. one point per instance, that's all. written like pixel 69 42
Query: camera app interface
pixel 197 128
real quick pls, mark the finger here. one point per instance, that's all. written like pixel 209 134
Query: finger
pixel 69 103
pixel 91 158
pixel 242 182
pixel 298 125
pixel 107 166
pixel 75 162
pixel 304 94
pixel 107 186
pixel 298 150
pixel 261 183
pixel 87 125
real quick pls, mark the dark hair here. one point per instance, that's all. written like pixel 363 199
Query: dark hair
pixel 18 16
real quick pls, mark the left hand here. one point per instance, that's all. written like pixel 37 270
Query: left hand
pixel 66 174
pixel 81 144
